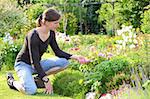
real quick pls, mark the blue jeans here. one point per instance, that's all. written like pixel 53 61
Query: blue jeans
pixel 25 71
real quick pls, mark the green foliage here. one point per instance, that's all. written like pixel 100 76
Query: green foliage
pixel 146 22
pixel 127 12
pixel 8 55
pixel 146 84
pixel 12 19
pixel 110 16
pixel 132 10
pixel 68 83
pixel 105 15
pixel 42 1
pixel 91 17
pixel 90 66
pixel 33 13
pixel 74 65
pixel 68 24
pixel 103 72
pixel 1 47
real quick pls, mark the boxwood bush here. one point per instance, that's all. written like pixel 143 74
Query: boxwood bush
pixel 68 83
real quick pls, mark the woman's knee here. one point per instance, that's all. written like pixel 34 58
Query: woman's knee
pixel 64 62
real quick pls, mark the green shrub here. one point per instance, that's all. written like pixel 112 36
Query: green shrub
pixel 99 77
pixel 67 83
pixel 8 55
pixel 12 19
pixel 145 26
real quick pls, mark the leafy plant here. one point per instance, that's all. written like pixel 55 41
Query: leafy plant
pixel 102 73
pixel 8 54
pixel 68 83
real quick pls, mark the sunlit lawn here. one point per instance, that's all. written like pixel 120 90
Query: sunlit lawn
pixel 6 93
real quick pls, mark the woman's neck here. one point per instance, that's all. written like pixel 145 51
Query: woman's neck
pixel 43 30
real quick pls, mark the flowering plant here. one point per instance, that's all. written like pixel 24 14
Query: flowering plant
pixel 8 52
pixel 128 38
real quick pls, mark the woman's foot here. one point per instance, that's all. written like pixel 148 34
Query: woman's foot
pixel 10 80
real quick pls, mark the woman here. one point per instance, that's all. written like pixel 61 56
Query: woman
pixel 29 61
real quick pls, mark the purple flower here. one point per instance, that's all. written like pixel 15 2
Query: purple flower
pixel 101 55
pixel 109 55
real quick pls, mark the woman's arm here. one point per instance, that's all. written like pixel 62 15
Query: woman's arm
pixel 63 54
pixel 33 47
pixel 58 52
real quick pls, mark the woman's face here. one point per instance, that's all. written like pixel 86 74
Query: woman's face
pixel 53 25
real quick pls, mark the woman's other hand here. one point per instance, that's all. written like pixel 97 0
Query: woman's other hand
pixel 80 59
pixel 48 88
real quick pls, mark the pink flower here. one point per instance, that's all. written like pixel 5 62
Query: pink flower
pixel 75 49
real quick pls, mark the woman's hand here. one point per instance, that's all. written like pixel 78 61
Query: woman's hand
pixel 48 88
pixel 80 59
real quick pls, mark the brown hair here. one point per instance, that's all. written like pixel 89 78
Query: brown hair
pixel 48 15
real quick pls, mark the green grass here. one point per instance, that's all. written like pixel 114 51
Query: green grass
pixel 6 93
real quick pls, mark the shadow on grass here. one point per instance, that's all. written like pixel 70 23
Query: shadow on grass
pixel 46 95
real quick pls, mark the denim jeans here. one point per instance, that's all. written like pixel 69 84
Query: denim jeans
pixel 25 71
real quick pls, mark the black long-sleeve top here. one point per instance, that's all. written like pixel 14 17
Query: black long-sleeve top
pixel 38 47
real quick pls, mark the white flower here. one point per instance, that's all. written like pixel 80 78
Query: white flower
pixel 135 41
pixel 132 46
pixel 134 35
pixel 130 40
pixel 130 27
pixel 119 41
pixel 90 95
pixel 119 32
pixel 126 28
pixel 119 47
pixel 10 42
pixel 125 38
pixel 123 45
pixel 8 38
pixel 130 34
pixel 123 26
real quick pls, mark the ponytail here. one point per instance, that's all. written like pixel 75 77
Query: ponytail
pixel 48 15
pixel 38 21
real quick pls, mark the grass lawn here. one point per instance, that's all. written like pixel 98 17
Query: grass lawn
pixel 6 93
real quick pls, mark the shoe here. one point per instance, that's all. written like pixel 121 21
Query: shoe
pixel 10 80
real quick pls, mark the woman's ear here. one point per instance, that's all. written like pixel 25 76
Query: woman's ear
pixel 43 22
